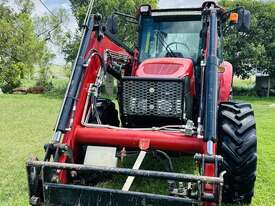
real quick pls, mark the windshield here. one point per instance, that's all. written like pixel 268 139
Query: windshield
pixel 170 39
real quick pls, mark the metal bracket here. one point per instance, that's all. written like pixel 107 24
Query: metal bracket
pixel 189 128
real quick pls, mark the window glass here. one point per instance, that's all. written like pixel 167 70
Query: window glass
pixel 170 38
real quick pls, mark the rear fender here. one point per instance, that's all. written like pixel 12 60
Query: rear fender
pixel 225 81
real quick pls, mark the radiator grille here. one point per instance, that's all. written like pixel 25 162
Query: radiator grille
pixel 152 97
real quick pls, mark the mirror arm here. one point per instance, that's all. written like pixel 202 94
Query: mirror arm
pixel 128 18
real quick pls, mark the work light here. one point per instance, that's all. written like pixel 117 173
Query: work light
pixel 145 9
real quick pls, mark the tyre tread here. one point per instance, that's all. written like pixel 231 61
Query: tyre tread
pixel 238 146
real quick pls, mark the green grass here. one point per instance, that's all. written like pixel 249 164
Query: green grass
pixel 26 124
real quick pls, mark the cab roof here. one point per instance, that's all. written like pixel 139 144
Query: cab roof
pixel 176 12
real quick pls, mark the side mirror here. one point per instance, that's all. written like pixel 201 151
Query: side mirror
pixel 244 20
pixel 112 24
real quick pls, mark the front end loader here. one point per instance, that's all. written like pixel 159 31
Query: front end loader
pixel 173 98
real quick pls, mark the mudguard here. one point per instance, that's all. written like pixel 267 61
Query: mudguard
pixel 225 81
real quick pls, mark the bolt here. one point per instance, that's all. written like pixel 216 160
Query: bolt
pixel 181 187
pixel 73 174
pixel 171 185
pixel 55 179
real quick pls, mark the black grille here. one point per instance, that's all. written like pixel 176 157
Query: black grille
pixel 152 97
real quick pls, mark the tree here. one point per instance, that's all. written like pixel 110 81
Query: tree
pixel 254 50
pixel 26 6
pixel 106 8
pixel 50 28
pixel 70 46
pixel 44 78
pixel 20 49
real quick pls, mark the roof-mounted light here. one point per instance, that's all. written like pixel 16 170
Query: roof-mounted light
pixel 145 9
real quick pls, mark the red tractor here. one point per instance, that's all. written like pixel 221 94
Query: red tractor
pixel 174 98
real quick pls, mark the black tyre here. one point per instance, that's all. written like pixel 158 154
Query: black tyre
pixel 238 146
pixel 107 112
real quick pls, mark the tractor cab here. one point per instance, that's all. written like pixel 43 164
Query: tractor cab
pixel 169 42
pixel 169 33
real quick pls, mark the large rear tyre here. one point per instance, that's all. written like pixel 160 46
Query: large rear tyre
pixel 238 146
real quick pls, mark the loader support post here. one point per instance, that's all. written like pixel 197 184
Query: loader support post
pixel 211 78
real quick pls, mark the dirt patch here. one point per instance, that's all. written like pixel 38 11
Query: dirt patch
pixel 272 106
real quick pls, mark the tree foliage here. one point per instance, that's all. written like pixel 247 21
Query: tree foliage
pixel 106 7
pixel 26 6
pixel 127 31
pixel 51 27
pixel 254 50
pixel 20 49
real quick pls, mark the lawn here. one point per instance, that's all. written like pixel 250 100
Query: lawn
pixel 26 124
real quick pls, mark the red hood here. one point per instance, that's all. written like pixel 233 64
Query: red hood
pixel 165 68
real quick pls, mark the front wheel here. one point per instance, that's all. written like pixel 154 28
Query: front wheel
pixel 238 146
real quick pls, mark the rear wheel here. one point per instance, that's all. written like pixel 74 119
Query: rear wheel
pixel 238 146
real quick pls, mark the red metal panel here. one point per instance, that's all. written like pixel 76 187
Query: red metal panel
pixel 168 141
pixel 166 68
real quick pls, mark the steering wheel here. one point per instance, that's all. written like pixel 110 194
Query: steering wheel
pixel 177 43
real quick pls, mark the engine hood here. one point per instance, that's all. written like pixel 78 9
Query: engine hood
pixel 165 68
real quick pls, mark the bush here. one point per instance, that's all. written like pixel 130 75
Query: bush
pixel 244 91
pixel 244 87
pixel 45 78
pixel 10 77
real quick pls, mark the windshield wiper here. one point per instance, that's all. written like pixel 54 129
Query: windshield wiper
pixel 164 43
